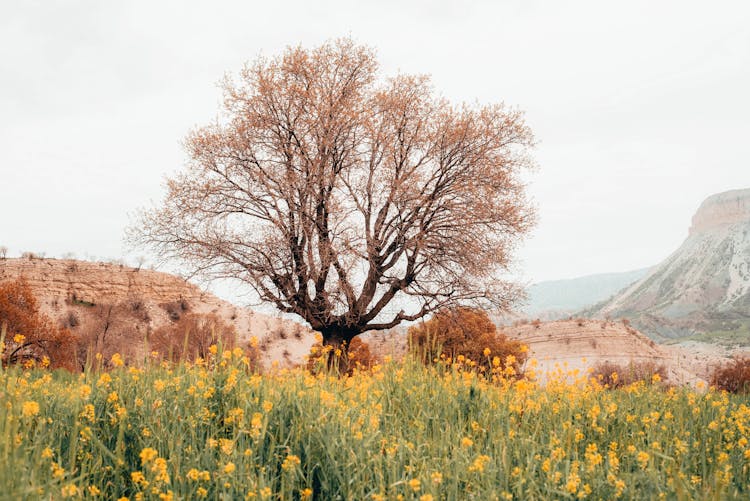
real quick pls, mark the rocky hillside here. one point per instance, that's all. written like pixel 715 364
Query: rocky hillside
pixel 127 304
pixel 704 286
pixel 581 344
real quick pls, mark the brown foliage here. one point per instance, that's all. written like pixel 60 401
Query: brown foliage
pixel 191 336
pixel 319 168
pixel 466 332
pixel 617 375
pixel 29 335
pixel 733 377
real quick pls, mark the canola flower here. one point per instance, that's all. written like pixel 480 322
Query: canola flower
pixel 215 430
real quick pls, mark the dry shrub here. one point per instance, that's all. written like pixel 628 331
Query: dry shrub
pixel 466 332
pixel 175 309
pixel 31 337
pixel 344 360
pixel 191 336
pixel 106 329
pixel 615 375
pixel 733 377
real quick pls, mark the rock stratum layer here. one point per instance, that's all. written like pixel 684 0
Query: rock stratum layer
pixel 130 303
pixel 575 346
pixel 704 286
pixel 722 209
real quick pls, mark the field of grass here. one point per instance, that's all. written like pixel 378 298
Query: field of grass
pixel 402 431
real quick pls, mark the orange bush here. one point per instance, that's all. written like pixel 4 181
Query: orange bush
pixel 468 333
pixel 30 337
pixel 733 377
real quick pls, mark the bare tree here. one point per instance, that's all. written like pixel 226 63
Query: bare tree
pixel 335 194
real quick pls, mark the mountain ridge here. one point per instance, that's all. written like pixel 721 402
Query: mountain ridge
pixel 704 285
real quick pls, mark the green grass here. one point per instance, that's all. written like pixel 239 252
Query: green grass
pixel 738 335
pixel 404 430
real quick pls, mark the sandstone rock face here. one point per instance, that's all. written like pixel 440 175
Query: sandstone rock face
pixel 704 285
pixel 132 302
pixel 83 281
pixel 722 209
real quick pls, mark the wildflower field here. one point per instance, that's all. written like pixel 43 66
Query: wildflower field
pixel 216 430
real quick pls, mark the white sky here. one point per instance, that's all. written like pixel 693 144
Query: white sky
pixel 642 108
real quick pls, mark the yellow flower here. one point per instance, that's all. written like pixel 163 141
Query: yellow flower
pixel 643 459
pixel 267 406
pixel 571 485
pixel 57 470
pixel 265 492
pixel 192 474
pixel 94 490
pixel 467 442
pixel 47 453
pixel 29 408
pixel 415 484
pixel 487 352
pixel 436 477
pixel 226 445
pixel 117 360
pixel 69 491
pixel 229 468
pixel 426 497
pixel 290 462
pixel 480 462
pixel 19 338
pixel 201 492
pixel 148 454
pixel 619 487
pixel 305 494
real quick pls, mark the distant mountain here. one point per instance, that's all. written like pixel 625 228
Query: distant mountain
pixel 560 298
pixel 704 286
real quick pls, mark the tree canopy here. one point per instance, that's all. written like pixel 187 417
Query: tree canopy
pixel 336 193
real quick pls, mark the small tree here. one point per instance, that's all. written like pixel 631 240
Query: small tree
pixel 29 335
pixel 336 194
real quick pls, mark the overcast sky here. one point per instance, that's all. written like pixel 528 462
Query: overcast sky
pixel 642 108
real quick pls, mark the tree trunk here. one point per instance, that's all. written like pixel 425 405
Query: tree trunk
pixel 338 338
